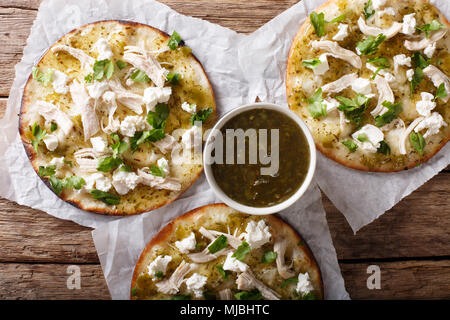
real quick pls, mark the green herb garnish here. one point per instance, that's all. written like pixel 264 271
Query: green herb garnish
pixel 269 256
pixel 363 137
pixel 311 63
pixel 350 145
pixel 318 21
pixel 316 106
pixel 108 163
pixel 368 10
pixel 173 78
pixel 393 111
pixel 174 40
pixel 119 146
pixel 47 171
pixel 159 274
pixel 139 76
pixel 371 44
pixel 201 115
pixel 249 295
pixel 440 92
pixel 418 142
pixel 44 78
pixel 434 25
pixel 39 135
pixel 287 282
pixel 53 126
pixel 157 171
pixel 242 251
pixel 384 148
pixel 103 69
pixel 105 197
pixel 220 243
pixel 121 64
pixel 223 273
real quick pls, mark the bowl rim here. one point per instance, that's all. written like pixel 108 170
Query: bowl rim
pixel 260 210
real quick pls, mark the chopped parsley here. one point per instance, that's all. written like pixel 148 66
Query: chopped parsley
pixel 269 256
pixel 316 106
pixel 157 171
pixel 371 44
pixel 119 146
pixel 418 142
pixel 72 182
pixel 311 63
pixel 121 64
pixel 105 197
pixel 139 76
pixel 159 274
pixel 287 282
pixel 384 148
pixel 218 244
pixel 108 163
pixel 363 137
pixel 434 25
pixel 249 295
pixel 47 171
pixel 242 251
pixel 38 134
pixel 173 78
pixel 174 41
pixel 368 10
pixel 103 69
pixel 393 111
pixel 44 78
pixel 353 108
pixel 318 21
pixel 53 126
pixel 223 273
pixel 351 146
pixel 419 61
pixel 416 79
pixel 379 62
pixel 440 92
pixel 200 115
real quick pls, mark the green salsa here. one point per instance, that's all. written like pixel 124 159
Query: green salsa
pixel 245 183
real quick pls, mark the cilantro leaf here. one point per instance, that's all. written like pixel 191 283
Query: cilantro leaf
pixel 67 183
pixel 105 197
pixel 318 21
pixel 158 117
pixel 218 244
pixel 384 148
pixel 316 107
pixel 434 25
pixel 379 62
pixel 223 273
pixel 440 92
pixel 249 295
pixel 119 146
pixel 103 69
pixel 121 64
pixel 308 296
pixel 157 171
pixel 311 63
pixel 173 78
pixel 53 126
pixel 139 76
pixel 47 171
pixel 159 274
pixel 44 78
pixel 418 142
pixel 351 146
pixel 269 256
pixel 182 297
pixel 287 282
pixel 416 79
pixel 174 40
pixel 242 251
pixel 108 163
pixel 393 111
pixel 200 115
pixel 353 108
pixel 419 61
pixel 125 168
pixel 337 19
pixel 368 10
pixel 39 134
pixel 371 44
pixel 363 137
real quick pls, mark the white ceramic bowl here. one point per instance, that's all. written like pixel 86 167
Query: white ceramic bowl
pixel 259 210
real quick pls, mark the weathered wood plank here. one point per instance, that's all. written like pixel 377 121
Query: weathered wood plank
pixel 400 280
pixel 49 281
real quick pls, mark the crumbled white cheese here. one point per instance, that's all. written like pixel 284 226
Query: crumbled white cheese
pixel 401 60
pixel 57 162
pixel 409 74
pixel 425 105
pixel 374 137
pixel 362 86
pixel 124 181
pixel 131 124
pixel 387 75
pixel 233 264
pixel 195 284
pixel 163 164
pixel 192 138
pixel 97 89
pixel 342 32
pixel 158 265
pixel 409 24
pixel 389 10
pixel 257 234
pixel 99 181
pixel 191 108
pixel 323 66
pixel 155 95
pixel 59 82
pixel 377 4
pixel 99 144
pixel 304 285
pixel 186 244
pixel 103 49
pixel 51 142
pixel 429 50
pixel 331 104
pixel 432 123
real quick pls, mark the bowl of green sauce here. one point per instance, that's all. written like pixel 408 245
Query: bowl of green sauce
pixel 259 158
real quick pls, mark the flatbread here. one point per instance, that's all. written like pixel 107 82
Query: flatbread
pixel 193 88
pixel 222 218
pixel 330 131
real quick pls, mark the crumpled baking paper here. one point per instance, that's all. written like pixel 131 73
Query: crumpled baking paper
pixel 360 196
pixel 120 243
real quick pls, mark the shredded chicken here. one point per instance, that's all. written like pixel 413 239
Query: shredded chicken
pixel 87 62
pixel 340 84
pixel 52 113
pixel 206 256
pixel 109 97
pixel 232 240
pixel 172 285
pixel 167 183
pixel 84 106
pixel 384 94
pixel 225 294
pixel 166 144
pixel 405 135
pixel 127 98
pixel 247 281
pixel 374 31
pixel 425 42
pixel 280 248
pixel 438 77
pixel 145 61
pixel 338 52
pixel 87 159
pixel 397 123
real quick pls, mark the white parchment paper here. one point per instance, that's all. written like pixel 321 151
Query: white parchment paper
pixel 119 243
pixel 361 197
pixel 213 45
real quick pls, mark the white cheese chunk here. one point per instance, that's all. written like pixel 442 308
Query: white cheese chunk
pixel 51 142
pixel 99 144
pixel 158 265
pixel 96 89
pixel 195 284
pixel 409 24
pixel 103 49
pixel 389 11
pixel 131 124
pixel 124 181
pixel 409 74
pixel 233 264
pixel 331 104
pixel 387 75
pixel 374 137
pixel 342 32
pixel 97 181
pixel 377 4
pixel 155 95
pixel 401 60
pixel 191 108
pixel 425 105
pixel 57 162
pixel 323 66
pixel 432 123
pixel 59 82
pixel 362 86
pixel 304 285
pixel 429 50
pixel 257 234
pixel 163 164
pixel 186 244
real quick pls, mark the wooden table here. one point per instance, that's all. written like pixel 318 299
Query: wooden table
pixel 410 243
